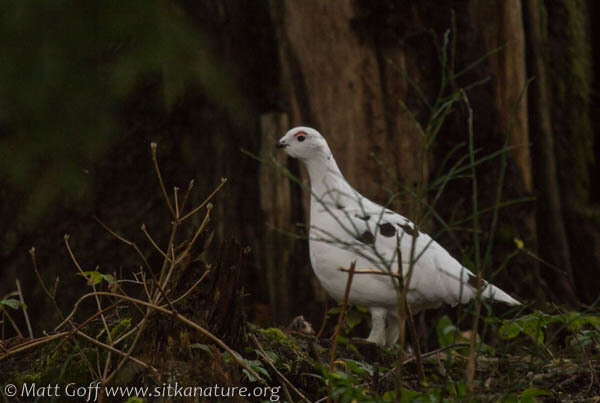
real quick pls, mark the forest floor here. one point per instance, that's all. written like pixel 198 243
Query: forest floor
pixel 538 357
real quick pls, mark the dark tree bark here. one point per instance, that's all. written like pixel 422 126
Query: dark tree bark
pixel 552 234
pixel 570 72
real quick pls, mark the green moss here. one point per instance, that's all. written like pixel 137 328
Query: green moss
pixel 274 334
pixel 56 367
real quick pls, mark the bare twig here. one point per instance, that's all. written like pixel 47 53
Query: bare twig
pixel 24 308
pixel 12 322
pixel 131 347
pixel 264 355
pixel 117 351
pixel 323 323
pixel 342 314
pixel 145 231
pixel 186 195
pixel 176 198
pixel 372 271
pixel 236 356
pixel 73 258
pixel 153 147
pixel 208 199
pixel 185 294
pixel 417 346
pixel 33 343
pixel 339 325
pixel 139 252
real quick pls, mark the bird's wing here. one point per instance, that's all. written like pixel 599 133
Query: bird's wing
pixel 381 236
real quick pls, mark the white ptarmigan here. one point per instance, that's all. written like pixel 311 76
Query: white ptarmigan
pixel 346 227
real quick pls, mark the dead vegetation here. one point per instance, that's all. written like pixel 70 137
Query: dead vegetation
pixel 184 321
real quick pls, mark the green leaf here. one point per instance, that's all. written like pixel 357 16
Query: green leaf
pixel 12 303
pixel 353 318
pixel 202 347
pixel 446 331
pixel 529 395
pixel 94 277
pixel 509 330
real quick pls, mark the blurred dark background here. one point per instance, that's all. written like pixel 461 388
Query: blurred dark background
pixel 86 86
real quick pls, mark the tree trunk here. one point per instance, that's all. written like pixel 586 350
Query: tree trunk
pixel 570 72
pixel 552 235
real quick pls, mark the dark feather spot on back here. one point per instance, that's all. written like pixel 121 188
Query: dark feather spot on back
pixel 363 217
pixel 340 206
pixel 473 282
pixel 387 229
pixel 366 237
pixel 408 229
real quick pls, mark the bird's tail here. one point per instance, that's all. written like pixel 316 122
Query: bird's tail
pixel 494 293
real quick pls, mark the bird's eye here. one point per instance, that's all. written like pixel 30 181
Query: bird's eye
pixel 301 138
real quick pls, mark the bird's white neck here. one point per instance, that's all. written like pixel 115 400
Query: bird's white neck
pixel 326 180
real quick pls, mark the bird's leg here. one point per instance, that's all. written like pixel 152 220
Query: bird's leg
pixel 392 331
pixel 377 334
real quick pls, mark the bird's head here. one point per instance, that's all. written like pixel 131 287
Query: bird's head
pixel 303 143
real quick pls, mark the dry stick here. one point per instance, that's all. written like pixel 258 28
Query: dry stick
pixel 24 308
pixel 187 249
pixel 160 179
pixel 403 303
pixel 187 194
pixel 175 192
pixel 81 325
pixel 340 322
pixel 210 196
pixel 138 251
pixel 108 335
pixel 117 351
pixel 30 344
pixel 372 271
pixel 39 277
pixel 324 322
pixel 426 355
pixel 470 370
pixel 413 333
pixel 174 227
pixel 96 297
pixel 185 294
pixel 131 348
pixel 268 361
pixel 238 358
pixel 145 231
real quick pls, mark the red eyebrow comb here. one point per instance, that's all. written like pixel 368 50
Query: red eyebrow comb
pixel 299 133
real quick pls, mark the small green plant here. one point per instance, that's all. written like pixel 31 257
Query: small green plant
pixel 535 324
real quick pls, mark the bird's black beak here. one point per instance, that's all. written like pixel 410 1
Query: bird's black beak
pixel 281 144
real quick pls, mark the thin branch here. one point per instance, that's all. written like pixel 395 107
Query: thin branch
pixel 372 271
pixel 324 322
pixel 413 333
pixel 117 351
pixel 145 231
pixel 138 251
pixel 264 355
pixel 342 314
pixel 210 196
pixel 73 258
pixel 236 356
pixel 33 343
pixel 186 195
pixel 24 308
pixel 185 294
pixel 175 197
pixel 153 147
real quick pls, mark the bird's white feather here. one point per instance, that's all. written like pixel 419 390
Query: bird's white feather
pixel 347 227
